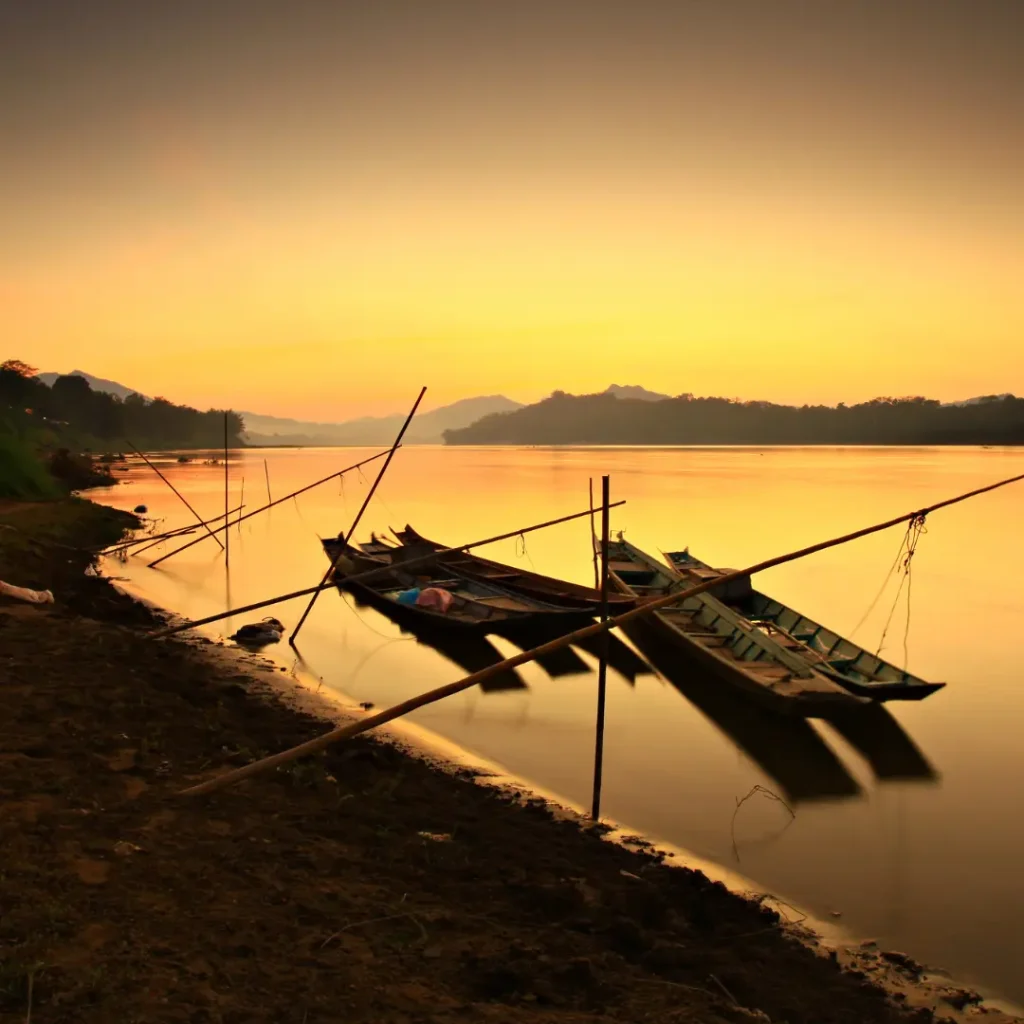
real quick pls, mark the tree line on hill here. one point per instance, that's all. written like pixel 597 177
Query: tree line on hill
pixel 72 414
pixel 605 419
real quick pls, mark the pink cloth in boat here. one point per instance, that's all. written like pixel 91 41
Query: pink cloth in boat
pixel 435 597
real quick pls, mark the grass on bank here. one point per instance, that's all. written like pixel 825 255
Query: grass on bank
pixel 22 474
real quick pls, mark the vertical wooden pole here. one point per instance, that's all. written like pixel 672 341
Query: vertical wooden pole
pixel 593 536
pixel 238 521
pixel 227 533
pixel 266 473
pixel 602 669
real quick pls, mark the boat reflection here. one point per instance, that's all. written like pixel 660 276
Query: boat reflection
pixel 471 652
pixel 875 734
pixel 785 748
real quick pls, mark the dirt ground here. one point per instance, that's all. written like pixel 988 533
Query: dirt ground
pixel 361 885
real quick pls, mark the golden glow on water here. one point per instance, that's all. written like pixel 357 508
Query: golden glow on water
pixel 927 864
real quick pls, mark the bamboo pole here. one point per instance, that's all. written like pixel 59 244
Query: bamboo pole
pixel 359 515
pixel 266 473
pixel 263 508
pixel 241 496
pixel 602 667
pixel 183 499
pixel 152 541
pixel 227 519
pixel 371 573
pixel 345 732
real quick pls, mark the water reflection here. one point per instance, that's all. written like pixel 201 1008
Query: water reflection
pixel 470 651
pixel 786 749
pixel 882 741
pixel 789 749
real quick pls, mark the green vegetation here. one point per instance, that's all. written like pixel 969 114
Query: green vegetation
pixel 605 419
pixel 22 473
pixel 71 415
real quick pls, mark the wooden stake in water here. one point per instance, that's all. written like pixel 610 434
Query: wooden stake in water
pixel 593 535
pixel 227 533
pixel 263 508
pixel 602 668
pixel 241 497
pixel 359 515
pixel 184 500
pixel 266 473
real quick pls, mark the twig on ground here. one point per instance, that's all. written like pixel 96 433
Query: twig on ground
pixel 714 978
pixel 31 987
pixel 377 920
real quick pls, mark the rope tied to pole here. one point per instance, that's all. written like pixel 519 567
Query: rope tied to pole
pixel 916 529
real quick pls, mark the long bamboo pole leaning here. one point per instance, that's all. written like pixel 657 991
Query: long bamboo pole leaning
pixel 371 573
pixel 345 732
pixel 153 540
pixel 184 500
pixel 359 515
pixel 263 508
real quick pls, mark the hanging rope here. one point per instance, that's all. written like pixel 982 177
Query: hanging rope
pixel 916 529
pixel 521 551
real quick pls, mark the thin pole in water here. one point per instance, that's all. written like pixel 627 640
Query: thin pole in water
pixel 266 473
pixel 241 497
pixel 359 515
pixel 227 533
pixel 602 668
pixel 593 535
pixel 263 508
pixel 184 500
pixel 161 537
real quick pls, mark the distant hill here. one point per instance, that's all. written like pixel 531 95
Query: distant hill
pixel 607 419
pixel 109 387
pixel 634 391
pixel 426 428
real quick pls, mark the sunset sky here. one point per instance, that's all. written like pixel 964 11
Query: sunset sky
pixel 311 208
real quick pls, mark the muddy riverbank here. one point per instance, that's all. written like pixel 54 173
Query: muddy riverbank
pixel 361 885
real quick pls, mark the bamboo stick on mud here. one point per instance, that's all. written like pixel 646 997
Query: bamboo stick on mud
pixel 345 732
pixel 371 573
pixel 359 515
pixel 263 508
pixel 183 499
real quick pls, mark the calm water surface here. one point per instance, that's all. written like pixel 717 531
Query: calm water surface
pixel 908 823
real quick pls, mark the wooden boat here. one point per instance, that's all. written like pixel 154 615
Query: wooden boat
pixel 709 632
pixel 825 651
pixel 475 605
pixel 544 588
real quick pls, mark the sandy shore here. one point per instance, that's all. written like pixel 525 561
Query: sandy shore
pixel 364 884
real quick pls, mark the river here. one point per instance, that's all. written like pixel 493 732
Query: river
pixel 906 829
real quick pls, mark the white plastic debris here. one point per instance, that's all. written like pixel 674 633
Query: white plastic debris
pixel 24 594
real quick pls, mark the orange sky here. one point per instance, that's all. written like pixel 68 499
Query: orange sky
pixel 311 209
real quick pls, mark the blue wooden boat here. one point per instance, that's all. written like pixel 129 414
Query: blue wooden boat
pixel 707 631
pixel 825 651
